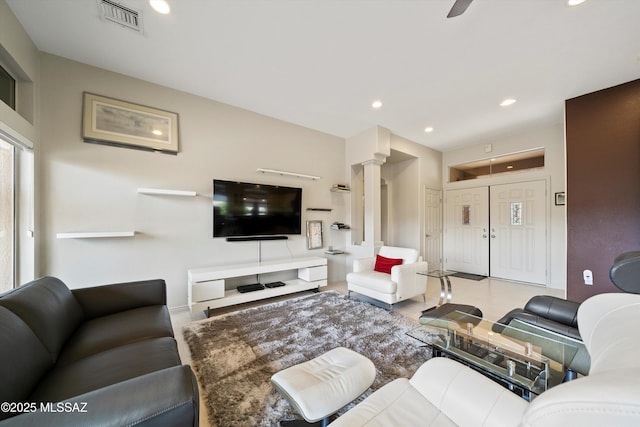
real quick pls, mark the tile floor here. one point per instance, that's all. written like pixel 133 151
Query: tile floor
pixel 494 297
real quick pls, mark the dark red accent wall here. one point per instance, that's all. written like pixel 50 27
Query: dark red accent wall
pixel 603 184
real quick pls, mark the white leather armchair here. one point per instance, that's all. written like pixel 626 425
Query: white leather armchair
pixel 403 282
pixel 445 393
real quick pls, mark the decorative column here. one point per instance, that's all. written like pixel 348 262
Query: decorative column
pixel 365 154
pixel 372 208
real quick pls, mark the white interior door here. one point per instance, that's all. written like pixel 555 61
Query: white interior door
pixel 433 228
pixel 519 231
pixel 466 247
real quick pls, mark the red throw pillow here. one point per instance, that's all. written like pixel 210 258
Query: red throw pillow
pixel 384 264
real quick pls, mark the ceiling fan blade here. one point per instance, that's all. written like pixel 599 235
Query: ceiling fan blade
pixel 458 8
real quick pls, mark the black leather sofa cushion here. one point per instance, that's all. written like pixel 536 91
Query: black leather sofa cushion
pixel 24 359
pixel 555 309
pixel 537 320
pixel 50 310
pixel 103 333
pixel 551 313
pixel 107 299
pixel 106 368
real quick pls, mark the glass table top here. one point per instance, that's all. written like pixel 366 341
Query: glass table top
pixel 437 273
pixel 522 357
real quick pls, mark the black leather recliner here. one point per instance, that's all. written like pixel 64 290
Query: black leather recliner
pixel 559 316
pixel 553 318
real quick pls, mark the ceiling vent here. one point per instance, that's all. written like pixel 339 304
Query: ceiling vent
pixel 125 16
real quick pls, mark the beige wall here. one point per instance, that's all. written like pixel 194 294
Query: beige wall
pixel 90 187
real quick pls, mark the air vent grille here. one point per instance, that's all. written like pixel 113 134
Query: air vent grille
pixel 125 16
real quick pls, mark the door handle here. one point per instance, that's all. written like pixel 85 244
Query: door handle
pixel 484 236
pixel 493 236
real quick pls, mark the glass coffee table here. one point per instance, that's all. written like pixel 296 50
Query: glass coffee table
pixel 519 360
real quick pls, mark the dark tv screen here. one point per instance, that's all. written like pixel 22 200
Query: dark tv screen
pixel 243 209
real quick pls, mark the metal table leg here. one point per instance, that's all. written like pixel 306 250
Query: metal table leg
pixel 449 291
pixel 445 291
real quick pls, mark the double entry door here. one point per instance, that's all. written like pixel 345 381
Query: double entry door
pixel 498 231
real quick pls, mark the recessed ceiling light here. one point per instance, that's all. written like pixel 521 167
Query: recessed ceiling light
pixel 507 102
pixel 575 2
pixel 376 104
pixel 160 6
pixel 157 132
pixel 428 129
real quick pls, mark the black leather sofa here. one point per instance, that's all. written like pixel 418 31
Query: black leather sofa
pixel 100 356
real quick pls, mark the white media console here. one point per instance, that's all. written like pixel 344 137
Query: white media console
pixel 207 285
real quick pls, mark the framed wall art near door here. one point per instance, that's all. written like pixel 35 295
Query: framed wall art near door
pixel 124 124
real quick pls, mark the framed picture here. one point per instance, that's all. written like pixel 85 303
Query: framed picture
pixel 314 235
pixel 120 123
pixel 560 199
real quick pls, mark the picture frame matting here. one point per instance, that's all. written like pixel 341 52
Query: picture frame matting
pixel 112 121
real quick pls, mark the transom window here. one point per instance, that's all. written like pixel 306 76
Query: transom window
pixel 7 88
pixel 527 160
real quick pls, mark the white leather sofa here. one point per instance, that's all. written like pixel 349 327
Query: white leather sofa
pixel 445 393
pixel 403 282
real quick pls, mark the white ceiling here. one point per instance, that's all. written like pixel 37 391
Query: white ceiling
pixel 321 63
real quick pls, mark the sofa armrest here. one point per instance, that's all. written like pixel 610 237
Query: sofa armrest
pixel 108 299
pixel 466 396
pixel 364 264
pixel 408 280
pixel 406 272
pixel 168 397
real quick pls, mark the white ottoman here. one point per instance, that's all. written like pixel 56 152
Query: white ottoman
pixel 319 387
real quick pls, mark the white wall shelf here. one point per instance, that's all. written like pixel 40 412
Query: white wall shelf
pixel 340 188
pixel 291 174
pixel 164 192
pixel 95 234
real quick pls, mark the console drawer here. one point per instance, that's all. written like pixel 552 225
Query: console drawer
pixel 311 274
pixel 204 291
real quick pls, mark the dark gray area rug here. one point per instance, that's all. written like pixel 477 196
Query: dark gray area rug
pixel 234 355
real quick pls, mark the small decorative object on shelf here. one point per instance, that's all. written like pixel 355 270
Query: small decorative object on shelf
pixel 340 188
pixel 340 226
pixel 332 251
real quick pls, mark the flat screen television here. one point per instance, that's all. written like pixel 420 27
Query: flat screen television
pixel 242 209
